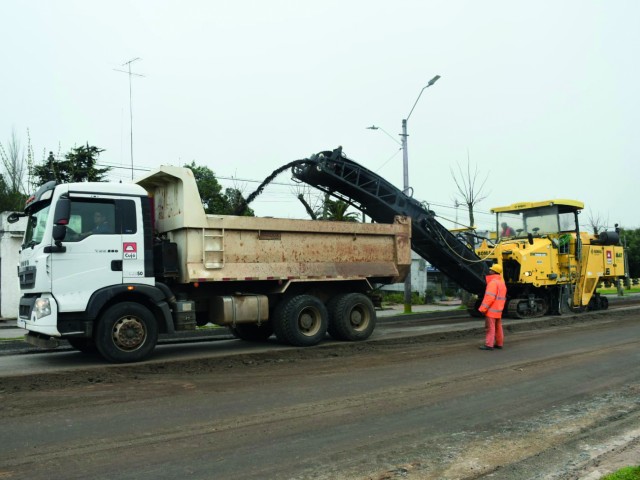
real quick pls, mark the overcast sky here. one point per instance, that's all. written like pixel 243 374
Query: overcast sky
pixel 541 96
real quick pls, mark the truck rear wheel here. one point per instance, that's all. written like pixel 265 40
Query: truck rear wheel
pixel 352 317
pixel 301 320
pixel 126 332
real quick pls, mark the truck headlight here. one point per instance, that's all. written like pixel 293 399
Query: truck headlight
pixel 42 308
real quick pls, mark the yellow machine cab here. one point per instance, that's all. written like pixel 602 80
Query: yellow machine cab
pixel 537 218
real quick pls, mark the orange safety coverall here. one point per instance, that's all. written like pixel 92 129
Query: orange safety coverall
pixel 495 296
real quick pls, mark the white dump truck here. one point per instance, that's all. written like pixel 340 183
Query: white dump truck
pixel 109 266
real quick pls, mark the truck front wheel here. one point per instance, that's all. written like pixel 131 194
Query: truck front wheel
pixel 301 320
pixel 126 332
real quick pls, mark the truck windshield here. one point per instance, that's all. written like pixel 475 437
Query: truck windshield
pixel 36 224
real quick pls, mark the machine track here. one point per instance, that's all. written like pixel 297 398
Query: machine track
pixel 527 308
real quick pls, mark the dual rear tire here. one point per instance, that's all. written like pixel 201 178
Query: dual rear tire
pixel 352 317
pixel 303 320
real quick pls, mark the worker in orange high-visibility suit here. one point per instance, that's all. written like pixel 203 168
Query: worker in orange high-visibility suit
pixel 495 296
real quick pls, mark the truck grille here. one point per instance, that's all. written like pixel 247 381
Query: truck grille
pixel 26 306
pixel 27 277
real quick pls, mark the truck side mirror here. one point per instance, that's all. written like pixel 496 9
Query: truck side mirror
pixel 59 232
pixel 63 212
pixel 15 216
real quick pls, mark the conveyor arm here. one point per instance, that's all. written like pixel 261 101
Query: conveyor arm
pixel 343 178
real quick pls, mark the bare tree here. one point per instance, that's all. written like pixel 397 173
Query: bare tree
pixel 307 207
pixel 470 186
pixel 597 223
pixel 311 200
pixel 13 161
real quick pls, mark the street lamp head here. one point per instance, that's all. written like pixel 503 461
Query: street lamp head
pixel 375 127
pixel 431 82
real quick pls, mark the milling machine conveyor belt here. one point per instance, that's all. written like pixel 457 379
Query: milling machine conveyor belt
pixel 343 178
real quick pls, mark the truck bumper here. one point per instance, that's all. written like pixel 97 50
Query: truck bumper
pixel 41 342
pixel 39 314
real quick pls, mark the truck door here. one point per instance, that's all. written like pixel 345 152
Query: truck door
pixel 93 256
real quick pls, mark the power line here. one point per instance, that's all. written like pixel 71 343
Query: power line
pixel 113 165
pixel 285 195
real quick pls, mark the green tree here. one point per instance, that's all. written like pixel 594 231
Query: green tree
pixel 337 210
pixel 234 200
pixel 632 239
pixel 79 165
pixel 10 200
pixel 328 210
pixel 214 200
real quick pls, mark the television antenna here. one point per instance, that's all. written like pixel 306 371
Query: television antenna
pixel 130 73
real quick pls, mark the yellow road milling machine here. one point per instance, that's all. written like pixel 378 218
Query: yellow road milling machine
pixel 549 265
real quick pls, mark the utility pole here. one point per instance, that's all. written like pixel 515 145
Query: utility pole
pixel 130 73
pixel 407 190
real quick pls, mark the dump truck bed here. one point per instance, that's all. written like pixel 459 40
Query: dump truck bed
pixel 250 248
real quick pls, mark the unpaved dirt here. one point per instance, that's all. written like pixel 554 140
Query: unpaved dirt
pixel 556 403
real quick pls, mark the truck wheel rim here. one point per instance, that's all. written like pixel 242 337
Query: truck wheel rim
pixel 309 321
pixel 129 333
pixel 359 318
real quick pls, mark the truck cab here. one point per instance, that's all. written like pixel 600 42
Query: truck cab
pixel 82 246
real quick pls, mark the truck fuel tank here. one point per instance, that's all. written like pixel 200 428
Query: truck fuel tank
pixel 232 309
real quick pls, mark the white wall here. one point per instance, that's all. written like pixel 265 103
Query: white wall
pixel 10 241
pixel 419 277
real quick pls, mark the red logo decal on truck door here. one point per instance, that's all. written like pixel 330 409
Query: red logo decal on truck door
pixel 130 250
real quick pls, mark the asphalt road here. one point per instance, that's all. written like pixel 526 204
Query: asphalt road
pixel 418 406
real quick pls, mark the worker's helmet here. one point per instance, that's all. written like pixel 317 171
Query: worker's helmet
pixel 496 267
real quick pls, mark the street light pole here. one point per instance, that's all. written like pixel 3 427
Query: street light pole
pixel 406 188
pixel 405 158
